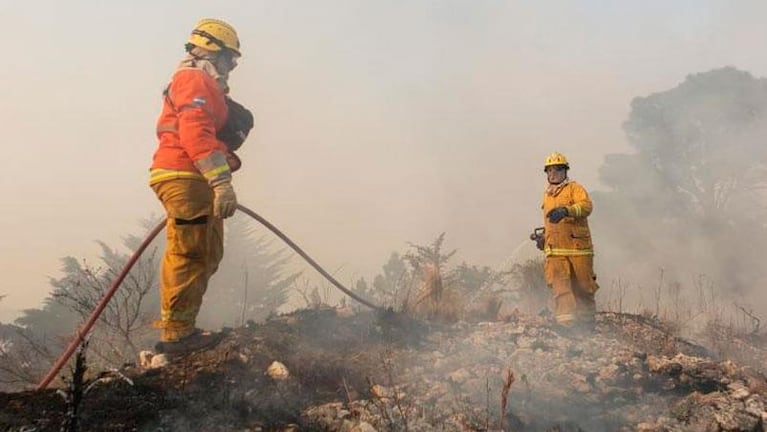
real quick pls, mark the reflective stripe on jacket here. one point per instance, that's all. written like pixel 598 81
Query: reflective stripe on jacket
pixel 193 110
pixel 571 236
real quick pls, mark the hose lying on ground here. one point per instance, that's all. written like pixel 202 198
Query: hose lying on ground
pixel 83 330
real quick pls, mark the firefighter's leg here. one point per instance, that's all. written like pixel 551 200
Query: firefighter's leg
pixel 558 275
pixel 186 263
pixel 215 244
pixel 584 287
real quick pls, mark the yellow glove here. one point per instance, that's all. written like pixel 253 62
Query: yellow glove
pixel 224 200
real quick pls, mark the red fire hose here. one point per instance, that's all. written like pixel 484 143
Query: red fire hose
pixel 83 330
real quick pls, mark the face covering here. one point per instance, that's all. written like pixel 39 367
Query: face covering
pixel 203 59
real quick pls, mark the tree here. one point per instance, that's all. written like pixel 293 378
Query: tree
pixel 471 280
pixel 251 282
pixel 21 360
pixel 40 335
pixel 125 324
pixel 31 344
pixel 392 282
pixel 692 196
pixel 401 274
pixel 421 281
pixel 419 256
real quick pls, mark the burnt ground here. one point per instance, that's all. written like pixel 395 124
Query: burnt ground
pixel 329 357
pixel 387 372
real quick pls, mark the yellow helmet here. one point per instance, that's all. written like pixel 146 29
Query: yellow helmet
pixel 214 35
pixel 556 159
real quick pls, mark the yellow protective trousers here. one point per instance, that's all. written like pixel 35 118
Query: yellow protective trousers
pixel 573 283
pixel 195 246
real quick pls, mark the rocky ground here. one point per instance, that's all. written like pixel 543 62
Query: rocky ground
pixel 387 372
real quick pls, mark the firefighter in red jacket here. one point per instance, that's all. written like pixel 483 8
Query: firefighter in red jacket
pixel 569 267
pixel 191 174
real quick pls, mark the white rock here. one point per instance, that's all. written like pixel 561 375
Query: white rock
pixel 518 330
pixel 145 359
pixel 459 375
pixel 609 372
pixel 364 427
pixel 277 371
pixel 158 361
pixel 754 406
pixel 739 391
pixel 380 391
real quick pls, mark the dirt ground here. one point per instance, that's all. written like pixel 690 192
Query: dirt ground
pixel 387 372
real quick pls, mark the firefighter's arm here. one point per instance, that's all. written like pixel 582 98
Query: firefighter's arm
pixel 582 205
pixel 196 125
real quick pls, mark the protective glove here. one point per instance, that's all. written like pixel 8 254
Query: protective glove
pixel 557 214
pixel 224 200
pixel 233 161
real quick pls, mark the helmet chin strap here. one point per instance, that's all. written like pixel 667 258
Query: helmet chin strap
pixel 214 40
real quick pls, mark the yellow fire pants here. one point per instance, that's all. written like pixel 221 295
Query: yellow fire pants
pixel 195 246
pixel 573 283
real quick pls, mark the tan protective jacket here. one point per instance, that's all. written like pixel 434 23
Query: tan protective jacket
pixel 571 236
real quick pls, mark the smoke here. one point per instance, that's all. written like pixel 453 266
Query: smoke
pixel 685 209
pixel 377 124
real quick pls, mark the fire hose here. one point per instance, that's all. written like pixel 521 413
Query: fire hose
pixel 83 330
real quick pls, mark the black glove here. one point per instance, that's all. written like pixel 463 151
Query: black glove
pixel 557 214
pixel 238 124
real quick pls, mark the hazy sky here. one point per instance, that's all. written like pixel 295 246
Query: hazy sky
pixel 377 122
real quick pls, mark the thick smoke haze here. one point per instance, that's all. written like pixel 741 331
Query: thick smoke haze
pixel 377 123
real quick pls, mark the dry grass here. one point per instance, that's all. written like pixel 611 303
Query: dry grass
pixel 507 382
pixel 433 301
pixel 486 308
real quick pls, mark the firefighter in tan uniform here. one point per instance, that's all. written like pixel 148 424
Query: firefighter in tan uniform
pixel 569 267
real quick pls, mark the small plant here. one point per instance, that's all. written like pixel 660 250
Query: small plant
pixel 74 395
pixel 390 401
pixel 531 284
pixel 751 322
pixel 507 382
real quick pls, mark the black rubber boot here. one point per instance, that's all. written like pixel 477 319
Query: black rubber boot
pixel 197 341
